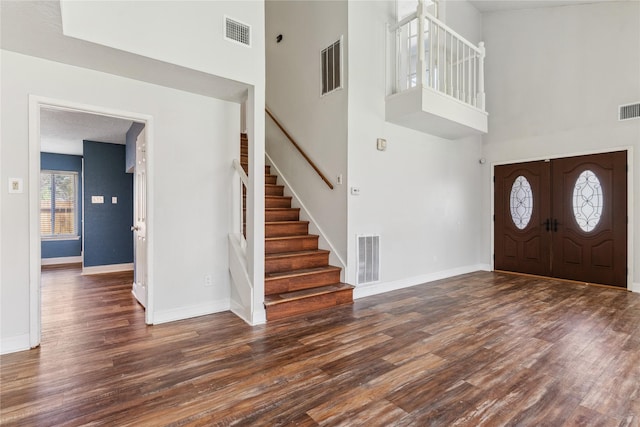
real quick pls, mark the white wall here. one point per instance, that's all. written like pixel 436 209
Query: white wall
pixel 191 34
pixel 190 154
pixel 187 33
pixel 463 18
pixel 554 80
pixel 319 124
pixel 422 195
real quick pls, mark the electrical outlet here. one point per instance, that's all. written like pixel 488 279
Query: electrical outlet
pixel 207 280
pixel 339 179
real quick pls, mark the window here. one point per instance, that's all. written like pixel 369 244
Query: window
pixel 58 204
pixel 331 60
pixel 521 202
pixel 587 201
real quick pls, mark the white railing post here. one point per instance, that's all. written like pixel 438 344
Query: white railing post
pixel 420 63
pixel 481 95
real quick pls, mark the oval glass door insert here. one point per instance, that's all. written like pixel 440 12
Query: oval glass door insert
pixel 587 201
pixel 521 202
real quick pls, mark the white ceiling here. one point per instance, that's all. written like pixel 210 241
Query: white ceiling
pixel 63 131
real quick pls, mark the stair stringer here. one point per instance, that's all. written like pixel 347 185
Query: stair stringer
pixel 314 227
pixel 242 290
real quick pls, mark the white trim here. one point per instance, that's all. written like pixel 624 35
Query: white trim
pixel 379 288
pixel 61 260
pixel 109 268
pixel 35 104
pixel 335 258
pixel 635 287
pixel 14 344
pixel 183 313
pixel 242 299
pixel 630 202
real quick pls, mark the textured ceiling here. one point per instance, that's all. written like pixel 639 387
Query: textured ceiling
pixel 63 131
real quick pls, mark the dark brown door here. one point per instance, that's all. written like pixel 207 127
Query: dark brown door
pixel 590 218
pixel 522 209
pixel 564 218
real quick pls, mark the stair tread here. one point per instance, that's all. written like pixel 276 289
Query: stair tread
pixel 281 209
pixel 274 299
pixel 296 253
pixel 279 197
pixel 295 236
pixel 285 222
pixel 300 272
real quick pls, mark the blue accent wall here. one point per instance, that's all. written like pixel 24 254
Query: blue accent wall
pixel 107 228
pixel 64 248
pixel 132 136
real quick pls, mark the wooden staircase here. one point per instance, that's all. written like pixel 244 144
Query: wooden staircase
pixel 298 277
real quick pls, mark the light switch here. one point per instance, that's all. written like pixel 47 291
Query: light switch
pixel 355 191
pixel 97 199
pixel 114 200
pixel 381 144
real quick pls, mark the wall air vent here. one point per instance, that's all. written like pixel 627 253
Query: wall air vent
pixel 331 67
pixel 368 259
pixel 236 31
pixel 629 111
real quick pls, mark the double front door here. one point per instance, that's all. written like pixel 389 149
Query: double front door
pixel 564 218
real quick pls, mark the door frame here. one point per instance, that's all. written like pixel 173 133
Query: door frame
pixel 630 190
pixel 36 103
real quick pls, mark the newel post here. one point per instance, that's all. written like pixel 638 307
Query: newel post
pixel 481 97
pixel 420 65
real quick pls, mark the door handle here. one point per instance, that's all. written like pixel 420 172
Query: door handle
pixel 135 228
pixel 547 224
pixel 555 225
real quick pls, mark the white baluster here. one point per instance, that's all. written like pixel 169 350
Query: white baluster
pixel 420 63
pixel 451 66
pixel 458 69
pixel 481 95
pixel 469 90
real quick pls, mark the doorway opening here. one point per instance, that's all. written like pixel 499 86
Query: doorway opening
pixel 126 207
pixel 564 218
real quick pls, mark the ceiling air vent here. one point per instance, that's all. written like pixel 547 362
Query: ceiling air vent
pixel 629 111
pixel 237 31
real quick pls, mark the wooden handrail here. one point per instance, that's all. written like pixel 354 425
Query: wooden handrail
pixel 313 165
pixel 241 172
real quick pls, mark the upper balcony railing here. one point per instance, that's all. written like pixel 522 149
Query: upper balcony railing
pixel 430 54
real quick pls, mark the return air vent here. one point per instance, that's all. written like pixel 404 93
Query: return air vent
pixel 629 111
pixel 237 31
pixel 368 259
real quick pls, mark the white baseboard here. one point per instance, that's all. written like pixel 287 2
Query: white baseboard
pixel 258 317
pixel 61 260
pixel 635 287
pixel 183 313
pixel 362 291
pixel 484 267
pixel 14 344
pixel 109 268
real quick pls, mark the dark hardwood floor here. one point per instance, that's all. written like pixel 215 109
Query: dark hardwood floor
pixel 480 349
